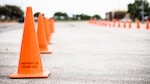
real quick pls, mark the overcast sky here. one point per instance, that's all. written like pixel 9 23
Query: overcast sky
pixel 90 7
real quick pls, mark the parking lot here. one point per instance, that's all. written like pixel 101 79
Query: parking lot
pixel 82 53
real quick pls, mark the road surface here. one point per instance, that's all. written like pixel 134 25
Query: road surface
pixel 82 53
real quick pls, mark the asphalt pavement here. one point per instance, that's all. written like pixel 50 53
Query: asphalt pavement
pixel 82 53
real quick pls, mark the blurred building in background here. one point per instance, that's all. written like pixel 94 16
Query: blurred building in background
pixel 118 14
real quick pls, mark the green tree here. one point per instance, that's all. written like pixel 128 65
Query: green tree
pixel 96 17
pixel 81 17
pixel 36 14
pixel 85 17
pixel 11 12
pixel 14 11
pixel 135 9
pixel 61 16
pixel 77 17
pixel 4 12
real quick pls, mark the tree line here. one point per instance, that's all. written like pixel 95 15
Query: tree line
pixel 135 9
pixel 11 12
pixel 64 16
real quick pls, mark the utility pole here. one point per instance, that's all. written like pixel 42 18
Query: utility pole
pixel 142 12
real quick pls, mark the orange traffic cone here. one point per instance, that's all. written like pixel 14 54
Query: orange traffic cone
pixel 138 24
pixel 147 24
pixel 30 65
pixel 42 36
pixel 114 24
pixel 52 24
pixel 14 21
pixel 106 23
pixel 109 23
pixel 118 24
pixel 124 24
pixel 47 30
pixel 6 21
pixel 130 24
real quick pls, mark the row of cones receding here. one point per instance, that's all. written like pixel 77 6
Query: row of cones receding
pixel 109 23
pixel 30 64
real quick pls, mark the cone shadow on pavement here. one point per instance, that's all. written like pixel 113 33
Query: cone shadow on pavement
pixel 42 36
pixel 30 65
